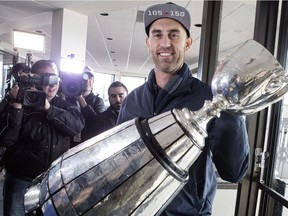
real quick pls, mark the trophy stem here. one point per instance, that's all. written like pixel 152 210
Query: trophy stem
pixel 190 121
pixel 210 109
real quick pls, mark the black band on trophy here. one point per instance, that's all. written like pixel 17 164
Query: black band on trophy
pixel 158 152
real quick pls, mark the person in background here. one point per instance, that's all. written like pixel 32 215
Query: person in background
pixel 34 136
pixel 97 124
pixel 171 85
pixel 88 103
pixel 88 97
pixel 12 77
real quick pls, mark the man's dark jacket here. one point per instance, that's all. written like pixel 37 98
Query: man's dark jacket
pixel 96 124
pixel 226 146
pixel 35 138
pixel 95 102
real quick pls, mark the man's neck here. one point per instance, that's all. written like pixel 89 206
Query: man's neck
pixel 162 78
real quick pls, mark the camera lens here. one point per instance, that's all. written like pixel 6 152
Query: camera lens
pixel 32 98
pixel 72 87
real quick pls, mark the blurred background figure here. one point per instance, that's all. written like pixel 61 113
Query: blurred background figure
pixel 17 69
pixel 12 78
pixel 87 101
pixel 88 97
pixel 97 124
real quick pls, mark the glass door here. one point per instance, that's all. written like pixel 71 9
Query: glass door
pixel 264 190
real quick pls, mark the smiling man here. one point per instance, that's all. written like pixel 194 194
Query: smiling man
pixel 170 85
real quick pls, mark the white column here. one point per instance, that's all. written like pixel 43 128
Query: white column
pixel 69 34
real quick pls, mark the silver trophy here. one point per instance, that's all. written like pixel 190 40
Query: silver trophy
pixel 139 166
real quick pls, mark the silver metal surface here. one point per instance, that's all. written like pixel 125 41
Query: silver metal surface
pixel 250 79
pixel 115 173
pixel 137 167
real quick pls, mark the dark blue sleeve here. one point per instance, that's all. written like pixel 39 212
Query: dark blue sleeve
pixel 228 142
pixel 124 114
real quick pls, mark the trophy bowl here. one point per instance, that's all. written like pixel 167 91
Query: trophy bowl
pixel 250 79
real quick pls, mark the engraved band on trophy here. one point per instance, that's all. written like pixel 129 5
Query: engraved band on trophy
pixel 137 167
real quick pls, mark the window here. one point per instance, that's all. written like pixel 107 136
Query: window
pixel 101 85
pixel 132 82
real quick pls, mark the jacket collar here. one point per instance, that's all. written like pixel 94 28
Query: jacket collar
pixel 173 84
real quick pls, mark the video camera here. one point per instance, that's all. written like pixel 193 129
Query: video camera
pixel 29 83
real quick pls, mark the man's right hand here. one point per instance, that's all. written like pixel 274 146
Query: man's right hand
pixel 13 95
pixel 81 101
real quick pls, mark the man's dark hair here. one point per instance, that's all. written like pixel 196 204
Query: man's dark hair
pixel 17 68
pixel 117 84
pixel 43 63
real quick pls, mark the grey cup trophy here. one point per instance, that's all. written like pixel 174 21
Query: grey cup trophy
pixel 138 166
pixel 246 82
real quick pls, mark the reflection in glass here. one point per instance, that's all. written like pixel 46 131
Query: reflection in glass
pixel 275 208
pixel 280 175
pixel 132 82
pixel 281 163
pixel 101 83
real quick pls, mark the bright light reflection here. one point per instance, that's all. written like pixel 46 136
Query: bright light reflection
pixel 29 41
pixel 71 65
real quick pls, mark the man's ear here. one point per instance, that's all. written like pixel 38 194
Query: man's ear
pixel 188 43
pixel 147 42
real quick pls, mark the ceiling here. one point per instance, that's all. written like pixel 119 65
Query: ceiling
pixel 126 53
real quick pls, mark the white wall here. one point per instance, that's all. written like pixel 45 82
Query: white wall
pixel 224 203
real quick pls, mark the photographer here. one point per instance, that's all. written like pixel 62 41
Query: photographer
pixel 88 97
pixel 12 75
pixel 87 101
pixel 4 104
pixel 35 135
